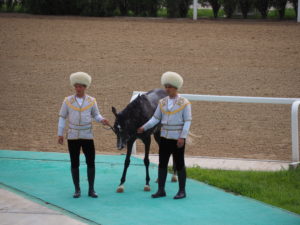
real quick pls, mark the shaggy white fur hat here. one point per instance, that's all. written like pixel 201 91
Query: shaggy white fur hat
pixel 80 78
pixel 173 79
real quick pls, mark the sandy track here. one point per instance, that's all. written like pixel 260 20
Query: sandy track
pixel 247 58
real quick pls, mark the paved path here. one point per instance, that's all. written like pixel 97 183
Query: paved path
pixel 229 163
pixel 18 210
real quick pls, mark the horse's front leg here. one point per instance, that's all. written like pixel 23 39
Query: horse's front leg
pixel 147 142
pixel 120 189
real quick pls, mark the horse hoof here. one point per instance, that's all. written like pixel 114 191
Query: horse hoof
pixel 174 179
pixel 120 189
pixel 147 188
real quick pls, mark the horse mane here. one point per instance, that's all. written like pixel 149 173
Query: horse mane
pixel 136 105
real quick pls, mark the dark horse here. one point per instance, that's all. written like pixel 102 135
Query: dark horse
pixel 136 114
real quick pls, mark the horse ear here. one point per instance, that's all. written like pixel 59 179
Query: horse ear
pixel 139 97
pixel 114 110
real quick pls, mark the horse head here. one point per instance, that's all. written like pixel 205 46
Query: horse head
pixel 128 120
pixel 121 129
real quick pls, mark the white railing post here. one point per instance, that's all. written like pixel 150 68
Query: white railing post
pixel 195 9
pixel 295 135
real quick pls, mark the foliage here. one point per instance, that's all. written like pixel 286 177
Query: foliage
pixel 229 7
pixel 215 4
pixel 164 8
pixel 1 3
pixel 295 5
pixel 280 6
pixel 144 7
pixel 97 7
pixel 177 8
pixel 123 7
pixel 263 7
pixel 245 6
pixel 60 7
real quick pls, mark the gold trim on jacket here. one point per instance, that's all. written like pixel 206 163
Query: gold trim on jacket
pixel 80 109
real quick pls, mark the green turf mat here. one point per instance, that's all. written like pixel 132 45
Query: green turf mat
pixel 47 177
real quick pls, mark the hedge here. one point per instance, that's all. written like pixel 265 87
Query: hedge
pixel 174 8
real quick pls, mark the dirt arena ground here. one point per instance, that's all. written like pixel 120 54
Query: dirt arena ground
pixel 224 57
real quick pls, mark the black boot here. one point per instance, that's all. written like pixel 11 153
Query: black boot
pixel 182 179
pixel 162 176
pixel 75 176
pixel 91 178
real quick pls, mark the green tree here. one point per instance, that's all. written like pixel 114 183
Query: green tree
pixel 295 5
pixel 178 8
pixel 229 7
pixel 1 4
pixel 263 7
pixel 216 5
pixel 280 6
pixel 245 6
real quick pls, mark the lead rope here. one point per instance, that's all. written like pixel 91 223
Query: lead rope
pixel 108 128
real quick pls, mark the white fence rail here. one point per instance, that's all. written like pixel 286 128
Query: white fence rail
pixel 195 10
pixel 294 102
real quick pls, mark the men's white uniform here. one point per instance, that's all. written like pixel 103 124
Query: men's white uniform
pixel 175 116
pixel 80 112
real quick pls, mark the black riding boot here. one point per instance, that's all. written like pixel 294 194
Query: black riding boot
pixel 75 176
pixel 182 179
pixel 162 176
pixel 91 178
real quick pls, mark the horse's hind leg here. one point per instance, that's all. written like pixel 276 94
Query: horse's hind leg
pixel 120 189
pixel 147 142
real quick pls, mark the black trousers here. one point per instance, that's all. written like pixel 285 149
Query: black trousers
pixel 88 149
pixel 168 147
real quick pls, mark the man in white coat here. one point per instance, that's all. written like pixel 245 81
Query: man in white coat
pixel 174 113
pixel 80 109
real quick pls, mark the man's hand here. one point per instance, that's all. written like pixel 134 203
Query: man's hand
pixel 180 142
pixel 140 130
pixel 105 122
pixel 60 140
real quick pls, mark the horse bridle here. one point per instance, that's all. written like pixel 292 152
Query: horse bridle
pixel 109 128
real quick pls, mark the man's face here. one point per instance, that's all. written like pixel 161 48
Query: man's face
pixel 171 90
pixel 79 89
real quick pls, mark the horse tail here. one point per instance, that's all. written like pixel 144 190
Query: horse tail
pixel 190 138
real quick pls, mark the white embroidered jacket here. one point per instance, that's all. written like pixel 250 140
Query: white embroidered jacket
pixel 79 116
pixel 175 118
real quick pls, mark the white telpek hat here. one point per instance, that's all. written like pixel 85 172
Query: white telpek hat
pixel 80 78
pixel 172 78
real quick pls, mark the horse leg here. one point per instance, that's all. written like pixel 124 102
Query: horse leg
pixel 120 189
pixel 174 177
pixel 147 143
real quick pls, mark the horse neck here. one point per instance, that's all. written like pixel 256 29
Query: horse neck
pixel 133 115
